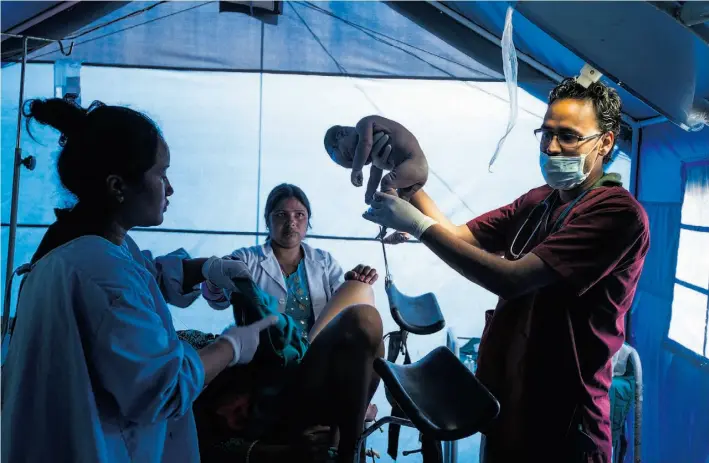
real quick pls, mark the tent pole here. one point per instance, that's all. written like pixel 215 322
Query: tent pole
pixel 260 141
pixel 635 160
pixel 635 191
pixel 28 162
pixel 651 121
pixel 17 164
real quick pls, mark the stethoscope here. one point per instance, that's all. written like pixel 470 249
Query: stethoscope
pixel 546 206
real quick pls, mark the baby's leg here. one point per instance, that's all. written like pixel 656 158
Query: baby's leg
pixel 407 193
pixel 407 175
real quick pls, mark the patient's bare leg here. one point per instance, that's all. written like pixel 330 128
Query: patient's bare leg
pixel 336 378
pixel 350 293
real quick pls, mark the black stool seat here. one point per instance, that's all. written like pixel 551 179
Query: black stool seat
pixel 441 397
pixel 417 315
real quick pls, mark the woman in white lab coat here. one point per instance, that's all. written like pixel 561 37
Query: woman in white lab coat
pixel 335 311
pixel 95 371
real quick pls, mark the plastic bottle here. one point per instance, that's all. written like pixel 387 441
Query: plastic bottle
pixel 67 79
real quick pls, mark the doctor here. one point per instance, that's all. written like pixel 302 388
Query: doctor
pixel 573 253
pixel 95 371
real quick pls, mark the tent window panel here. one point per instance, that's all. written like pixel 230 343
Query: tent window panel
pixel 211 124
pixel 690 308
pixel 695 211
pixel 693 258
pixel 688 326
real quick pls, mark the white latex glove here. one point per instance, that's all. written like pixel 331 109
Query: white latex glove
pixel 219 272
pixel 245 339
pixel 393 212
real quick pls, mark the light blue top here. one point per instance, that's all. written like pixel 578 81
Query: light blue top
pixel 298 303
pixel 95 372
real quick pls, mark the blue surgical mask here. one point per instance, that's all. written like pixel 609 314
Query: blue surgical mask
pixel 564 172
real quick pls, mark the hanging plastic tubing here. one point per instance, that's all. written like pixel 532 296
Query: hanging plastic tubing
pixel 509 66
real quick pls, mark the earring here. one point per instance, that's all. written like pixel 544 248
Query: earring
pixel 120 199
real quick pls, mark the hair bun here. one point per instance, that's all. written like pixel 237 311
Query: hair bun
pixel 66 116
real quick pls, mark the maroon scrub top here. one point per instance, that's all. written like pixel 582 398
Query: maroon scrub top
pixel 546 355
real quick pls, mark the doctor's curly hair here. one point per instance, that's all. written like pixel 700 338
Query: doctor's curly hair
pixel 606 102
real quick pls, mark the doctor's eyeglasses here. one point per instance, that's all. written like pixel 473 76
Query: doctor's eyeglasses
pixel 567 140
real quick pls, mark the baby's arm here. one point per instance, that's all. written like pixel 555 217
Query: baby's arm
pixel 375 176
pixel 365 131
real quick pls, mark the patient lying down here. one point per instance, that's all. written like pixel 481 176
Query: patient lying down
pixel 297 395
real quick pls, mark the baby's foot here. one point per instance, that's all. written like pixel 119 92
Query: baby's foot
pixel 397 238
pixel 371 413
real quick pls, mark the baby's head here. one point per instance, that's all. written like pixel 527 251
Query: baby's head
pixel 340 144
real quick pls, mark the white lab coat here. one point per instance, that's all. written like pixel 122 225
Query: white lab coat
pixel 95 372
pixel 324 275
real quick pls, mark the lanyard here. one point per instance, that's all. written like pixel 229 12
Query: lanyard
pixel 544 204
pixel 548 206
pixel 563 215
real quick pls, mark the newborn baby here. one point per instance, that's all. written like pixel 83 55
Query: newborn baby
pixel 350 147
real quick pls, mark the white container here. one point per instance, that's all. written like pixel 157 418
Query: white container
pixel 67 79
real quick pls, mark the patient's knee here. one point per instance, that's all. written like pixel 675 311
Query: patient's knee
pixel 364 324
pixel 363 291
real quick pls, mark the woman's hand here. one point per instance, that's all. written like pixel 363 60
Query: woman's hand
pixel 245 339
pixel 362 273
pixel 220 272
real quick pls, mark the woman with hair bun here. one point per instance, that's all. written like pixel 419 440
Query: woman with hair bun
pixel 95 371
